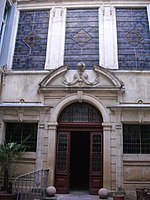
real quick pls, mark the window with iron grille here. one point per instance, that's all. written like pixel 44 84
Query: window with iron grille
pixel 80 112
pixel 17 132
pixel 62 151
pixel 97 152
pixel 136 139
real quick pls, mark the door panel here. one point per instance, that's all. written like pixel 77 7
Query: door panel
pixel 62 162
pixel 95 176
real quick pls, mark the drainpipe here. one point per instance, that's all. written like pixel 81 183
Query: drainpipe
pixel 2 73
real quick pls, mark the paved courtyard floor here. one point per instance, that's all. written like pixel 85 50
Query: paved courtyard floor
pixel 78 196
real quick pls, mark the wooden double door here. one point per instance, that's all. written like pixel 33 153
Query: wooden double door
pixel 79 160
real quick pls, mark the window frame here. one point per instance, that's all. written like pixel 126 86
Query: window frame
pixel 3 24
pixel 22 128
pixel 133 147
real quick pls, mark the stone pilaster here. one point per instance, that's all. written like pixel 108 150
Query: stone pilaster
pixel 108 37
pixel 56 38
pixel 119 155
pixel 51 154
pixel 107 155
pixel 40 136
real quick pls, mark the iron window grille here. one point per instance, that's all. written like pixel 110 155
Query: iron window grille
pixel 17 132
pixel 80 112
pixel 136 139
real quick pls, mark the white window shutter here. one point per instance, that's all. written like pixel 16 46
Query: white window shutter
pixel 2 9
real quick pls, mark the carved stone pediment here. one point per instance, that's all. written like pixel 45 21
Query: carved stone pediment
pixel 99 78
pixel 81 78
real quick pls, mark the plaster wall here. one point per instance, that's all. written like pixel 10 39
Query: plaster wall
pixel 25 86
pixel 136 85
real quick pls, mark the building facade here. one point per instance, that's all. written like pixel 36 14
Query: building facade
pixel 75 77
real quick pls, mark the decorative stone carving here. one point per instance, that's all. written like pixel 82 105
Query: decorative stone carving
pixel 81 78
pixel 81 38
pixel 31 39
pixel 63 79
pixel 134 37
pixel 80 96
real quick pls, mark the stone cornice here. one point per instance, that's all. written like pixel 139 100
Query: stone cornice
pixel 83 1
pixel 76 3
pixel 134 107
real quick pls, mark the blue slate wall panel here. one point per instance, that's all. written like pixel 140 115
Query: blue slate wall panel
pixel 30 53
pixel 133 38
pixel 82 38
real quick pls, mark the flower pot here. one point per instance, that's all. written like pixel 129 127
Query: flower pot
pixel 7 196
pixel 118 197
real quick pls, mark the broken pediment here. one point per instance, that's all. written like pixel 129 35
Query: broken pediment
pixel 99 78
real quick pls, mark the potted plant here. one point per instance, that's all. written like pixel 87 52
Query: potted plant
pixel 119 194
pixel 9 152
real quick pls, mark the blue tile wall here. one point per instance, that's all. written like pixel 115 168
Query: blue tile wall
pixel 31 57
pixel 82 20
pixel 133 56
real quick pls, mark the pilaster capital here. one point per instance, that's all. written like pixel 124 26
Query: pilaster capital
pixel 118 126
pixel 41 125
pixel 107 126
pixel 51 125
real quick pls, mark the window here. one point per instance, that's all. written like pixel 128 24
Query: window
pixel 136 139
pixel 17 132
pixel 80 112
pixel 3 26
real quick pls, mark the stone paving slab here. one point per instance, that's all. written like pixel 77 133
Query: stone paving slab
pixel 78 197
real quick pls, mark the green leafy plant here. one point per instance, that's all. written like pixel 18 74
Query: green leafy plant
pixel 120 192
pixel 9 152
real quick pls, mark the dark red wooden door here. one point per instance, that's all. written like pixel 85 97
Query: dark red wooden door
pixel 62 177
pixel 96 162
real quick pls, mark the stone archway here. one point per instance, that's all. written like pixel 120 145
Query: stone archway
pixel 80 97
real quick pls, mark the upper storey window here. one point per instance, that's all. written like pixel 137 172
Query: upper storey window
pixel 31 42
pixel 133 38
pixel 82 40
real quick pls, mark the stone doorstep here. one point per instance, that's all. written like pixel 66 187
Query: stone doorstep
pixel 48 198
pixel 72 197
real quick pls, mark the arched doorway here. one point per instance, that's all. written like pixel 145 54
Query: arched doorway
pixel 79 155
